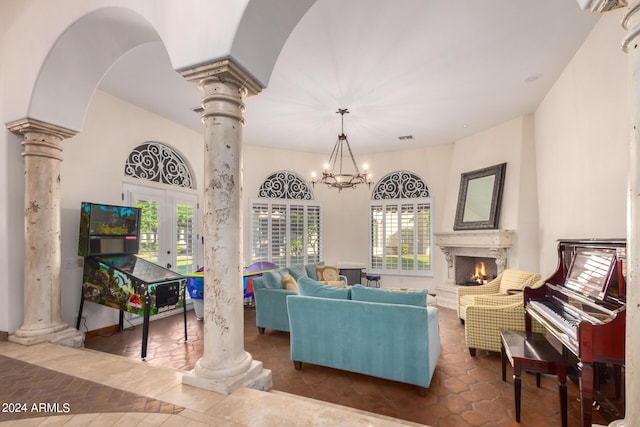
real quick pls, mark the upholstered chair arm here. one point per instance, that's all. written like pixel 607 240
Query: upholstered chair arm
pixel 490 288
pixel 483 324
pixel 498 300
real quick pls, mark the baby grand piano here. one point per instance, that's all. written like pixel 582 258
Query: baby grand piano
pixel 583 306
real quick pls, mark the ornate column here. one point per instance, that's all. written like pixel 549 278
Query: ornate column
pixel 631 23
pixel 42 254
pixel 224 365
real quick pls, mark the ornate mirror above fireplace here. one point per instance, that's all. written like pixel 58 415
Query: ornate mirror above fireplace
pixel 479 198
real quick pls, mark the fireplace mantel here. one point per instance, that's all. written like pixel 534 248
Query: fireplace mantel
pixel 480 238
pixel 480 243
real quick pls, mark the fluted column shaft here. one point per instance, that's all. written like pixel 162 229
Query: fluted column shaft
pixel 42 253
pixel 224 364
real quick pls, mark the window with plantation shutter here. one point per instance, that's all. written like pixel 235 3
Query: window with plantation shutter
pixel 285 222
pixel 400 226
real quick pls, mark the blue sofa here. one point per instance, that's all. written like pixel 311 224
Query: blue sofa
pixel 271 297
pixel 358 331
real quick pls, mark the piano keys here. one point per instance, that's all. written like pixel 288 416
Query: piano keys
pixel 582 305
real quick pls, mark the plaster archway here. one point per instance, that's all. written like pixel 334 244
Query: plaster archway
pixel 79 59
pixel 83 53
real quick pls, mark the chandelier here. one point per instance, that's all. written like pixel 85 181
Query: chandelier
pixel 333 173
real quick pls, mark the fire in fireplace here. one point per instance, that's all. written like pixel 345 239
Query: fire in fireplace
pixel 479 275
pixel 472 271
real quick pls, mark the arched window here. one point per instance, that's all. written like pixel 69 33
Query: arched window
pixel 168 226
pixel 157 162
pixel 285 221
pixel 400 224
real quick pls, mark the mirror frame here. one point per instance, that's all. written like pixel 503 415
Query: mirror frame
pixel 496 198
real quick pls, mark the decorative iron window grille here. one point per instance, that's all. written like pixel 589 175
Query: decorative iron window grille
pixel 400 185
pixel 157 162
pixel 285 185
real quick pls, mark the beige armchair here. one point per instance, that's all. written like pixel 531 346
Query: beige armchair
pixel 489 315
pixel 500 288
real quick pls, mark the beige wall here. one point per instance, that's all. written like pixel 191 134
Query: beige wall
pixel 582 143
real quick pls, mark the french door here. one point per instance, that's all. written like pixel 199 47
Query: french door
pixel 168 226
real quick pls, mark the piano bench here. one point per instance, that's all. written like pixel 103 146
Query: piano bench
pixel 533 354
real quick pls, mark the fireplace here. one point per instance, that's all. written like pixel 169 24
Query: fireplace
pixel 463 249
pixel 471 271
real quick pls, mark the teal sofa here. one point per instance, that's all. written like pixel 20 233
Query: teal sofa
pixel 271 298
pixel 355 330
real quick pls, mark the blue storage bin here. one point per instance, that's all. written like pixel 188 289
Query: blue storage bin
pixel 195 285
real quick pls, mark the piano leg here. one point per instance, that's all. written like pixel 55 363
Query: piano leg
pixel 617 378
pixel 517 388
pixel 586 393
pixel 562 389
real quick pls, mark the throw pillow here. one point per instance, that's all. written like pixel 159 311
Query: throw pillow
pixel 334 283
pixel 311 270
pixel 362 293
pixel 327 272
pixel 289 282
pixel 272 279
pixel 312 288
pixel 297 271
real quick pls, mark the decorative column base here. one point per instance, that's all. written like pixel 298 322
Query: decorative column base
pixel 256 378
pixel 68 337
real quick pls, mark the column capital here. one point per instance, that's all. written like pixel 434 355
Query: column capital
pixel 223 70
pixel 28 125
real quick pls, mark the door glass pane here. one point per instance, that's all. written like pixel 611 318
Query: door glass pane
pixel 185 215
pixel 391 238
pixel 405 236
pixel 148 229
pixel 279 234
pixel 259 232
pixel 423 246
pixel 313 234
pixel 296 235
pixel 377 237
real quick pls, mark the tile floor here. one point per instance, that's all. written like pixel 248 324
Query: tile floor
pixel 465 390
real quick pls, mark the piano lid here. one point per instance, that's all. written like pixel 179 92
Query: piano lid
pixel 590 272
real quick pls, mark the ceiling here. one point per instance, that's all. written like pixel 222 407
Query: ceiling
pixel 433 70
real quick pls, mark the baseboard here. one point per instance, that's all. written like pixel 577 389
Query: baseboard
pixel 4 336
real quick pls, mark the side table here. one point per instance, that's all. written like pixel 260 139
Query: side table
pixel 533 353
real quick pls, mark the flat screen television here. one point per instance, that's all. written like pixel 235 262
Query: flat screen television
pixel 108 229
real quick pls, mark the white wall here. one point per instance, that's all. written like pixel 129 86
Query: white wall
pixel 11 198
pixel 93 171
pixel 582 144
pixel 510 142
